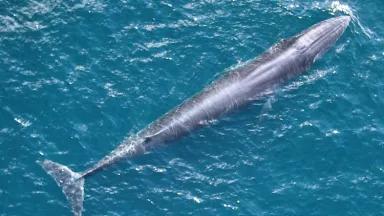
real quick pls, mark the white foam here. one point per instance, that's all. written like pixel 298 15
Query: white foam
pixel 22 122
pixel 336 6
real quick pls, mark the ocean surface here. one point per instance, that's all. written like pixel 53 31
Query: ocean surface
pixel 78 76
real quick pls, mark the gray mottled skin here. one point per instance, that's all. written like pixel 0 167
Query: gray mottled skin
pixel 236 88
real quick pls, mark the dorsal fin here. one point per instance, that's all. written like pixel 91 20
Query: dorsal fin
pixel 149 138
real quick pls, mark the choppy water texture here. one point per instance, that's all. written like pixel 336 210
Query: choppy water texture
pixel 76 77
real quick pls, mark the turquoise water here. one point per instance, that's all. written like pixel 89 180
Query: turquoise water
pixel 76 77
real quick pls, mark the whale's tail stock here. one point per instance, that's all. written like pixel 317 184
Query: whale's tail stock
pixel 71 183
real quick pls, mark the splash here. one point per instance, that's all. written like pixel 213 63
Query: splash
pixel 336 7
pixel 22 122
pixel 308 79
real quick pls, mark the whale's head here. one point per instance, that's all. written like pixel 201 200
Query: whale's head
pixel 315 41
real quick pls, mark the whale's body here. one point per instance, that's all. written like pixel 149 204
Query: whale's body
pixel 236 88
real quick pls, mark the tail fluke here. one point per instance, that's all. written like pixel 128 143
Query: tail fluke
pixel 70 182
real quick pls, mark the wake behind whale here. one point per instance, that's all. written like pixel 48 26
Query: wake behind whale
pixel 236 88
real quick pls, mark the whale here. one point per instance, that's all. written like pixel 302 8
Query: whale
pixel 234 89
